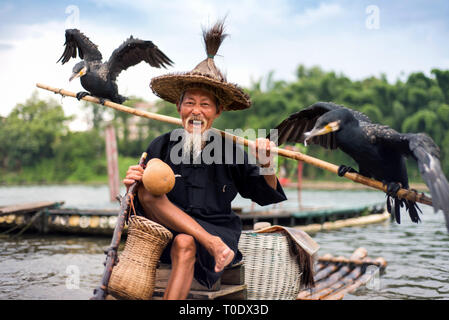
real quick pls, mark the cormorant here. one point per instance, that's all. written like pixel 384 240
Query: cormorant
pixel 378 150
pixel 99 78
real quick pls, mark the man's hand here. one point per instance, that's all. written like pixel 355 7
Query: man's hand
pixel 133 174
pixel 261 149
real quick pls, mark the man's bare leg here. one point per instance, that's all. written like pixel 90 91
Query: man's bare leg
pixel 183 260
pixel 163 211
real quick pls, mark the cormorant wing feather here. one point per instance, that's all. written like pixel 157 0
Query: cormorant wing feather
pixel 132 52
pixel 427 154
pixel 293 128
pixel 76 40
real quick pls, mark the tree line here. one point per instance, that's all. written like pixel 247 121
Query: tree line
pixel 37 145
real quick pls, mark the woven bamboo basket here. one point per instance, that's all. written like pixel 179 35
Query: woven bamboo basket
pixel 271 271
pixel 135 274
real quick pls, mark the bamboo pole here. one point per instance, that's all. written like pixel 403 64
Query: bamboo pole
pixel 351 287
pixel 359 281
pixel 343 223
pixel 381 263
pixel 113 105
pixel 327 285
pixel 339 290
pixel 402 193
pixel 340 276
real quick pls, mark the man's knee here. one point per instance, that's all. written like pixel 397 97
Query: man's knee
pixel 183 246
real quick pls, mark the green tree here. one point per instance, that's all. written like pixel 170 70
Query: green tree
pixel 29 132
pixel 37 145
pixel 442 78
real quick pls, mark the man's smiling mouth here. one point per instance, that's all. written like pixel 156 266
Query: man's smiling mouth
pixel 196 123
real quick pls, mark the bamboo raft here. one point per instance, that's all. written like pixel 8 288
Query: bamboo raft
pixel 337 276
pixel 334 278
pixel 52 217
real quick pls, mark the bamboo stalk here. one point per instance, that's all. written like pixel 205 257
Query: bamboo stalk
pixel 337 275
pixel 113 105
pixel 325 272
pixel 319 266
pixel 327 286
pixel 357 262
pixel 402 193
pixel 359 281
pixel 346 283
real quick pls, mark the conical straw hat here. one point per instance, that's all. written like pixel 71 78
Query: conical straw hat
pixel 205 75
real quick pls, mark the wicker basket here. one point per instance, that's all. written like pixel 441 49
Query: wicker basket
pixel 135 274
pixel 271 272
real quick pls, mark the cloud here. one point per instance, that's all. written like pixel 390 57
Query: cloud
pixel 5 46
pixel 278 35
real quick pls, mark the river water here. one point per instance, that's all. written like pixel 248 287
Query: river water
pixel 70 267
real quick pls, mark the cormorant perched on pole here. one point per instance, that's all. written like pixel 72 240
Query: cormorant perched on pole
pixel 379 151
pixel 99 78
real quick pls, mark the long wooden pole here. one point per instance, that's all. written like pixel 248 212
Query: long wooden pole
pixel 402 193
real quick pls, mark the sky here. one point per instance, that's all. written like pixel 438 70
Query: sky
pixel 356 38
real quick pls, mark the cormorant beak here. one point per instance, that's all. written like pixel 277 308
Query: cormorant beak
pixel 79 74
pixel 330 127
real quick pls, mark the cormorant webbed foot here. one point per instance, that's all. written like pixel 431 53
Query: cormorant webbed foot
pixel 102 101
pixel 343 169
pixel 81 95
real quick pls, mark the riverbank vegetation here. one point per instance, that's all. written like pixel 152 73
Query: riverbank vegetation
pixel 37 146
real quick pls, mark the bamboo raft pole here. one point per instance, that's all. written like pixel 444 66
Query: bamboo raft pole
pixel 351 286
pixel 410 195
pixel 336 276
pixel 350 222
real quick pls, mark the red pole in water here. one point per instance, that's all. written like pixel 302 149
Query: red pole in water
pixel 299 185
pixel 112 159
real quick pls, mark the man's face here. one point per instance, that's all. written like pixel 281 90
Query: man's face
pixel 198 110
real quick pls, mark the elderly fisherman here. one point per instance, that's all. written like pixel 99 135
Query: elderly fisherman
pixel 198 209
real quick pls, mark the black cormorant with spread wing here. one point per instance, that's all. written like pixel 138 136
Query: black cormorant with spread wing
pixel 99 78
pixel 378 150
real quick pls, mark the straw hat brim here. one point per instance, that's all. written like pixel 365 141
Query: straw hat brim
pixel 170 87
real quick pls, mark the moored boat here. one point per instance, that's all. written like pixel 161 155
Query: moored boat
pixel 53 217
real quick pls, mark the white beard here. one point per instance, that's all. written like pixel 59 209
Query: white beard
pixel 193 145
